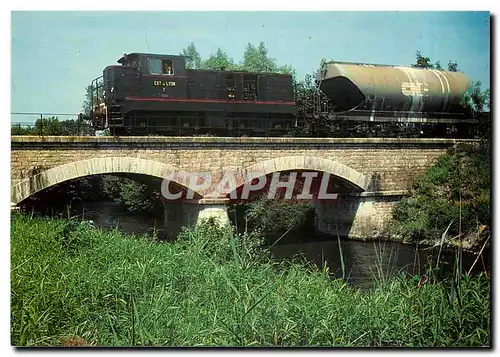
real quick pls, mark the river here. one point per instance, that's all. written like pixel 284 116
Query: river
pixel 363 262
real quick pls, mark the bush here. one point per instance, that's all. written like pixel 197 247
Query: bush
pixel 277 216
pixel 456 189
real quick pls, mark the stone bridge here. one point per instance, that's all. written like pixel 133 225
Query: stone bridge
pixel 374 172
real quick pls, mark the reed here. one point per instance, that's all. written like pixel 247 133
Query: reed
pixel 72 285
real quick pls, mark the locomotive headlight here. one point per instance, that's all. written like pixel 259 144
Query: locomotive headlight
pixel 112 89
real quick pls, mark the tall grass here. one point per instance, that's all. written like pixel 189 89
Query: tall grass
pixel 73 285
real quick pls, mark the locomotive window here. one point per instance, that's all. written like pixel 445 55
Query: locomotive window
pixel 250 91
pixel 168 68
pixel 158 66
pixel 230 88
pixel 155 66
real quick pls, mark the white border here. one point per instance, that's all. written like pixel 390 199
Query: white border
pixel 309 5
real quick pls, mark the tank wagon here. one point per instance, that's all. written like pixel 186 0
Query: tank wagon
pixel 386 98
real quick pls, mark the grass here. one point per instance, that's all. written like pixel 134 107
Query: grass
pixel 76 286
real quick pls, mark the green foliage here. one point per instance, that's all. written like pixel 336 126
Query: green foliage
pixel 54 126
pixel 277 216
pixel 193 60
pixel 60 199
pixel 219 61
pixel 93 96
pixel 456 189
pixel 452 66
pixel 422 62
pixel 255 59
pixel 425 62
pixel 107 289
pixel 475 99
pixel 134 196
pixel 304 91
pixel 18 129
pixel 87 103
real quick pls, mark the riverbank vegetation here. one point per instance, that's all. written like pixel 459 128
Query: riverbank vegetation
pixel 73 285
pixel 452 197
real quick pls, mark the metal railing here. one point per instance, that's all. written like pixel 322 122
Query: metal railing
pixel 45 124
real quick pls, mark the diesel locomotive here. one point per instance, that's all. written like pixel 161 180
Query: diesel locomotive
pixel 157 94
pixel 152 94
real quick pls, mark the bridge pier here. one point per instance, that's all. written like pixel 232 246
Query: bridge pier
pixel 360 216
pixel 213 208
pixel 190 213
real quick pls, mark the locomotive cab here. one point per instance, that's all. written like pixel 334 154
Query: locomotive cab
pixel 163 76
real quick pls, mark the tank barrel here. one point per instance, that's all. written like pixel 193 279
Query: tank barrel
pixel 352 86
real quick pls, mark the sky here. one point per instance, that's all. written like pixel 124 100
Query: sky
pixel 55 55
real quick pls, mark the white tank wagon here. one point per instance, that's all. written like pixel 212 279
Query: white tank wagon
pixel 393 91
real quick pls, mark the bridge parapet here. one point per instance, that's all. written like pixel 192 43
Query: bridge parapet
pixel 387 163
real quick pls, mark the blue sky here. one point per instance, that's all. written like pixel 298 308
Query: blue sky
pixel 55 55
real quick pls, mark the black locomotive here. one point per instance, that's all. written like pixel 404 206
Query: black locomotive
pixel 156 94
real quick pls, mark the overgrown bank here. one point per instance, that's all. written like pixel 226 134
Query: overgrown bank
pixel 451 200
pixel 74 285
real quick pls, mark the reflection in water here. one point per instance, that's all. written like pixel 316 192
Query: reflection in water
pixel 366 262
pixel 363 261
pixel 111 215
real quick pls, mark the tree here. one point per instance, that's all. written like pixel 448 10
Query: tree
pixel 309 100
pixel 93 96
pixel 134 196
pixel 219 60
pixel 256 59
pixel 452 66
pixel 425 62
pixel 475 99
pixel 193 58
pixel 422 62
pixel 53 126
pixel 87 103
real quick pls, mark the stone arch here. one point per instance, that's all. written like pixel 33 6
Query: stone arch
pixel 96 166
pixel 309 163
